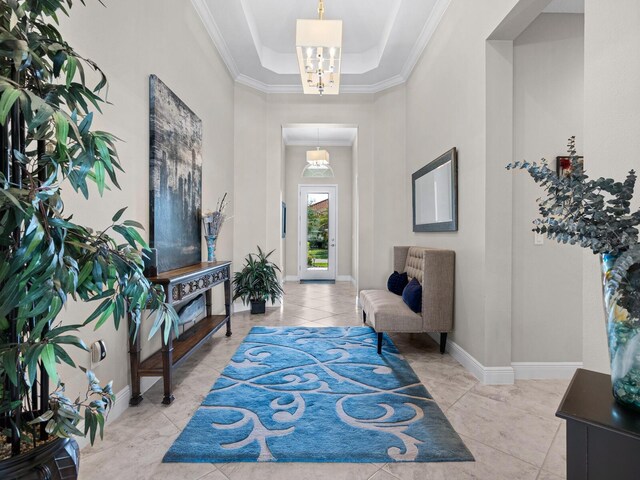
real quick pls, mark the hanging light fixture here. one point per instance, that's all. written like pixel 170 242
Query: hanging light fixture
pixel 319 49
pixel 317 163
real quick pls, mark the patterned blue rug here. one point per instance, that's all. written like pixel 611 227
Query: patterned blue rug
pixel 295 394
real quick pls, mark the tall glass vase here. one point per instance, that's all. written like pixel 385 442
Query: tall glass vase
pixel 211 247
pixel 623 335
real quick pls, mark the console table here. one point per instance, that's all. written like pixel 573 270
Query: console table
pixel 179 286
pixel 603 437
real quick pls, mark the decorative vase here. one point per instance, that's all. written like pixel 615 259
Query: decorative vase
pixel 623 335
pixel 56 460
pixel 211 247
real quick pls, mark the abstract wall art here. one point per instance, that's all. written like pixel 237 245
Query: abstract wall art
pixel 175 179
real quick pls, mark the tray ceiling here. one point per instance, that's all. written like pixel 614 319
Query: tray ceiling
pixel 382 40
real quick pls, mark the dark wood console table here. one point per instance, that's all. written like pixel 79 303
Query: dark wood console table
pixel 603 437
pixel 179 286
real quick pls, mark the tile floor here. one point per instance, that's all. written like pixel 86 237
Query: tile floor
pixel 511 430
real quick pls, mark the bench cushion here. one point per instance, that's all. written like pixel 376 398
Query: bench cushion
pixel 387 312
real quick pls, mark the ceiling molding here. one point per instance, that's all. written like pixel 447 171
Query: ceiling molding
pixel 323 143
pixel 428 30
pixel 425 36
pixel 206 16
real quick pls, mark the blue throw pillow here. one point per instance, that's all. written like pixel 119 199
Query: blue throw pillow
pixel 397 282
pixel 412 295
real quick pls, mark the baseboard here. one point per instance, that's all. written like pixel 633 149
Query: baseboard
pixel 516 371
pixel 339 278
pixel 545 370
pixel 486 375
pixel 147 382
pixel 345 278
pixel 498 376
pixel 119 407
pixel 240 307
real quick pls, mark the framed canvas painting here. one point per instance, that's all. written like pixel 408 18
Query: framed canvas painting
pixel 175 179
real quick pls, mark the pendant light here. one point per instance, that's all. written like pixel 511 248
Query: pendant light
pixel 317 163
pixel 319 50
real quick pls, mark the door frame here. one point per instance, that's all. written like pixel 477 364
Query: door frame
pixel 300 233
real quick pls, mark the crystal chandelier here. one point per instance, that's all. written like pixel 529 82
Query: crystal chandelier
pixel 319 49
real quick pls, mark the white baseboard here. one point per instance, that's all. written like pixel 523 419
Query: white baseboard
pixel 238 306
pixel 339 278
pixel 147 382
pixel 545 370
pixel 119 407
pixel 486 375
pixel 498 376
pixel 345 278
pixel 508 374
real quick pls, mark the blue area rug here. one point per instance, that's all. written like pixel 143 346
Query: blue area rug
pixel 295 394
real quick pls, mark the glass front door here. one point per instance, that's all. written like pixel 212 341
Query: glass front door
pixel 317 233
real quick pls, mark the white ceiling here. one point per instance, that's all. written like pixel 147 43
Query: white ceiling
pixel 565 6
pixel 382 40
pixel 321 135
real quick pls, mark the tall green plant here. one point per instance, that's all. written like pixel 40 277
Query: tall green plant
pixel 46 258
pixel 258 280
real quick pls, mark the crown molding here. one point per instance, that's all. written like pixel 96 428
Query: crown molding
pixel 218 40
pixel 425 36
pixel 322 143
pixel 206 16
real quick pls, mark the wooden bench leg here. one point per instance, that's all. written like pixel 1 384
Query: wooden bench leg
pixel 380 343
pixel 443 342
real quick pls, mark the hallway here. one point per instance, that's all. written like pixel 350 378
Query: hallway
pixel 511 430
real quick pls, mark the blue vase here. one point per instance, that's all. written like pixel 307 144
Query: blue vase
pixel 211 247
pixel 623 336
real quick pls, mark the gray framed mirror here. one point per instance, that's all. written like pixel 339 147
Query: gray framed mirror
pixel 435 195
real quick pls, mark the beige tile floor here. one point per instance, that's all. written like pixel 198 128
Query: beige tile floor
pixel 511 430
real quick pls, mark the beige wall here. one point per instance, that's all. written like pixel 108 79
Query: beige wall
pixel 259 170
pixel 548 108
pixel 129 42
pixel 295 161
pixel 446 107
pixel 611 140
pixel 390 197
pixel 250 174
pixel 378 176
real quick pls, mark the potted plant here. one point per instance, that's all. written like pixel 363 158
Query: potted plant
pixel 596 214
pixel 47 143
pixel 257 282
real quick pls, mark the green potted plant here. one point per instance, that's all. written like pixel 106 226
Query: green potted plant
pixel 257 282
pixel 47 143
pixel 596 214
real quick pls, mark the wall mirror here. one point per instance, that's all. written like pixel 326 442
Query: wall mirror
pixel 435 195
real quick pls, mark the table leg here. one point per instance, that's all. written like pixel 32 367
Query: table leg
pixel 134 359
pixel 167 369
pixel 227 304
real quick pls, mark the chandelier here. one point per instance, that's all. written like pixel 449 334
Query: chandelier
pixel 319 49
pixel 317 163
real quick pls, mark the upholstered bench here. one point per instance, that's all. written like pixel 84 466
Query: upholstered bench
pixel 387 312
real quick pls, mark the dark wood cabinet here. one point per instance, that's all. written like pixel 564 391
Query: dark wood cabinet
pixel 603 437
pixel 182 285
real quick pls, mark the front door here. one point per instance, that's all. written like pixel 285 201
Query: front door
pixel 317 232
